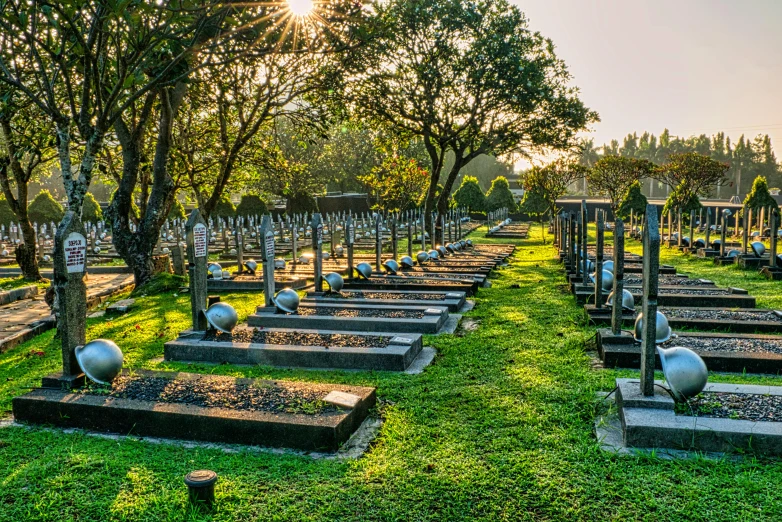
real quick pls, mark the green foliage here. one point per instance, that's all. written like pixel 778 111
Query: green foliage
pixel 760 196
pixel 301 202
pixel 44 209
pixel 499 195
pixel 7 215
pixel 90 210
pixel 251 205
pixel 161 283
pixel 551 181
pixel 681 199
pixel 534 204
pixel 612 176
pixel 470 195
pixel 224 209
pixel 177 210
pixel 692 174
pixel 633 201
pixel 399 183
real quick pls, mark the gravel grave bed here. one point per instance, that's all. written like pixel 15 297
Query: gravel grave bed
pixel 259 336
pixel 739 406
pixel 727 344
pixel 383 295
pixel 335 311
pixel 668 281
pixel 435 275
pixel 721 315
pixel 211 391
pixel 691 291
pixel 402 282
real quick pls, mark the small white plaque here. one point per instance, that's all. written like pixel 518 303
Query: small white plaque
pixel 320 233
pixel 433 311
pixel 269 245
pixel 199 240
pixel 75 253
pixel 351 235
pixel 451 294
pixel 342 399
pixel 401 340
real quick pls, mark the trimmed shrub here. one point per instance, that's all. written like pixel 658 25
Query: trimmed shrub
pixel 224 209
pixel 251 205
pixel 499 195
pixel 91 211
pixel 45 209
pixel 177 211
pixel 301 202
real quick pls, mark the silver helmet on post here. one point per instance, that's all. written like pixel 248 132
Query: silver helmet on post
pixel 628 301
pixel 450 248
pixel 339 250
pixel 608 265
pixel 434 254
pixel 251 266
pixel 663 332
pixel 407 262
pixel 758 248
pixel 364 270
pixel 699 243
pixel 391 266
pixel 733 253
pixel 684 370
pixel 280 263
pixel 443 252
pixel 607 281
pixel 287 300
pixel 422 257
pixel 222 317
pixel 100 360
pixel 335 282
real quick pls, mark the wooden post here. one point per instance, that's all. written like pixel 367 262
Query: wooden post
pixel 651 267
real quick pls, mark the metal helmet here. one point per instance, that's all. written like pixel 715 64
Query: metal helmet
pixel 325 255
pixel 442 250
pixel 233 251
pixel 733 253
pixel 591 266
pixel 457 246
pixel 450 248
pixel 422 257
pixel 608 265
pixel 287 300
pixel 364 270
pixel 214 266
pixel 607 281
pixel 306 259
pixel 101 360
pixel 469 242
pixel 217 272
pixel 759 248
pixel 663 331
pixel 407 262
pixel 684 370
pixel 335 282
pixel 434 254
pixel 628 301
pixel 756 234
pixel 463 243
pixel 339 250
pixel 675 236
pixel 391 266
pixel 222 316
pixel 716 244
pixel 280 263
pixel 686 241
pixel 251 265
pixel 699 243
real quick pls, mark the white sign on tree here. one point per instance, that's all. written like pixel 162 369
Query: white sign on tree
pixel 75 253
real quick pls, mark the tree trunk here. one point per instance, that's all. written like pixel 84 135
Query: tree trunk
pixel 25 253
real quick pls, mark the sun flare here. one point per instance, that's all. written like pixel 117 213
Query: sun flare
pixel 301 7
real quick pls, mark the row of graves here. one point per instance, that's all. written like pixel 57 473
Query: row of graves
pixel 372 319
pixel 746 237
pixel 506 228
pixel 696 328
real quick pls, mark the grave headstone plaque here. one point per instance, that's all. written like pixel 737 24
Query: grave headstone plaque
pixel 197 251
pixel 178 260
pixel 651 269
pixel 70 255
pixel 584 251
pixel 773 221
pixel 267 257
pixel 409 237
pixel 350 239
pixel 317 247
pixel 708 227
pixel 692 228
pixel 599 261
pixel 724 230
pixel 378 242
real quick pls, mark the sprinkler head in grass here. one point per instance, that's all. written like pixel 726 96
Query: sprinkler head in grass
pixel 628 301
pixel 287 301
pixel 201 488
pixel 391 266
pixel 335 282
pixel 758 248
pixel 364 270
pixel 222 317
pixel 100 360
pixel 663 332
pixel 684 370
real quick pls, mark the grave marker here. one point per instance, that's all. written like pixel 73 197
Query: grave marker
pixel 267 257
pixel 350 239
pixel 196 238
pixel 599 262
pixel 651 268
pixel 317 247
pixel 619 272
pixel 70 252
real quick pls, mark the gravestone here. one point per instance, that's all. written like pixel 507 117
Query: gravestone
pixel 267 258
pixel 378 242
pixel 70 260
pixel 708 228
pixel 317 247
pixel 584 251
pixel 651 268
pixel 692 229
pixel 350 239
pixel 724 231
pixel 423 230
pixel 773 220
pixel 394 239
pixel 409 237
pixel 619 273
pixel 599 262
pixel 178 259
pixel 239 240
pixel 197 240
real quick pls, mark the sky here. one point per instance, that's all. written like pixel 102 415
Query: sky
pixel 693 66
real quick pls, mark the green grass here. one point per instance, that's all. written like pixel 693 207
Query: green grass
pixel 11 283
pixel 500 427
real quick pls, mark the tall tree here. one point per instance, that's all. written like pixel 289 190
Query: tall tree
pixel 612 177
pixel 470 78
pixel 550 182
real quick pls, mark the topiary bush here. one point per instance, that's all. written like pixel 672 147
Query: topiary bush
pixel 91 211
pixel 301 202
pixel 251 205
pixel 177 211
pixel 470 195
pixel 499 195
pixel 7 215
pixel 45 209
pixel 224 209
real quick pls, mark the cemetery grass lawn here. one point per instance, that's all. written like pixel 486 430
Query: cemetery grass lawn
pixel 500 427
pixel 11 283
